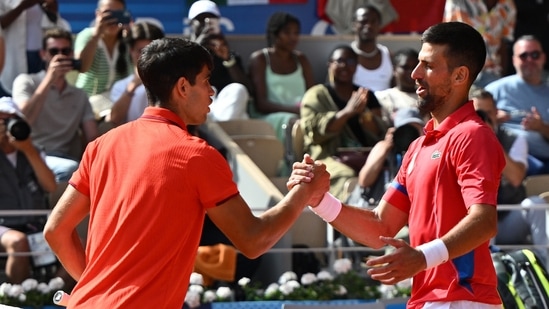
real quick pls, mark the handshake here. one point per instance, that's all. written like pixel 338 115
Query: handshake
pixel 311 176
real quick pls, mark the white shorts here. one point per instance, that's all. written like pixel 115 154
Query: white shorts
pixel 460 304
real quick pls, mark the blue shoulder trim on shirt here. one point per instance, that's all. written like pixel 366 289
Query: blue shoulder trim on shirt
pixel 399 187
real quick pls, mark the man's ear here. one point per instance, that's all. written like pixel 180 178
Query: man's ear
pixel 181 87
pixel 460 75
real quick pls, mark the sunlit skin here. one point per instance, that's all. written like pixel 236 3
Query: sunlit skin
pixel 199 98
pixel 530 69
pixel 342 66
pixel 108 24
pixel 367 25
pixel 432 78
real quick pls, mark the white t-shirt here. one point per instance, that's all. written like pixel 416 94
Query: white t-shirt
pixel 139 100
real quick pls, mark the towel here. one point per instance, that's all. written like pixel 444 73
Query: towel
pixel 217 262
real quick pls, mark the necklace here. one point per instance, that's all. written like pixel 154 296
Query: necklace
pixel 363 53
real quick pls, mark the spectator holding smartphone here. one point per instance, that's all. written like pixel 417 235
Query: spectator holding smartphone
pixel 104 54
pixel 55 109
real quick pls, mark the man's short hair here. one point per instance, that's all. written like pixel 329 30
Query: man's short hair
pixel 165 60
pixel 56 33
pixel 465 45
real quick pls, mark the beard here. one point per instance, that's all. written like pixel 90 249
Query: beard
pixel 431 101
pixel 426 104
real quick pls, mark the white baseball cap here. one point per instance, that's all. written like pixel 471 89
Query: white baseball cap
pixel 203 6
pixel 9 107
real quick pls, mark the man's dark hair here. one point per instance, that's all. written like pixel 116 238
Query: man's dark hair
pixel 369 7
pixel 345 47
pixel 56 33
pixel 481 93
pixel 143 31
pixel 164 61
pixel 276 23
pixel 465 46
pixel 404 53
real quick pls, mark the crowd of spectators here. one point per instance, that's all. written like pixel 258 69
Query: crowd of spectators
pixel 366 85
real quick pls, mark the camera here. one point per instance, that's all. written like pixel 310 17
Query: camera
pixel 18 128
pixel 121 16
pixel 76 64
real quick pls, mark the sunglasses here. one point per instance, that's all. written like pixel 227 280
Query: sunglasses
pixel 65 51
pixel 534 55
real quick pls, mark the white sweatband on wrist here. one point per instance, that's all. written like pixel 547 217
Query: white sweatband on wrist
pixel 328 209
pixel 435 252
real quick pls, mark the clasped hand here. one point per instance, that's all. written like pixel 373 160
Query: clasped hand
pixel 312 173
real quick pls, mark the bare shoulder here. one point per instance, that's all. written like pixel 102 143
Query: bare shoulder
pixel 257 55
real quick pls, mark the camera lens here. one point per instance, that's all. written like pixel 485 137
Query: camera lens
pixel 18 128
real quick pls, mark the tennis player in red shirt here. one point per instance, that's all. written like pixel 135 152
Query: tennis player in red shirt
pixel 445 191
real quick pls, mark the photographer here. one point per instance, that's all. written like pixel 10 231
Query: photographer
pixel 56 110
pixel 385 158
pixel 24 180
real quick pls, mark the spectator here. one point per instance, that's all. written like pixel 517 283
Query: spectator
pixel 404 92
pixel 128 94
pixel 445 190
pixel 374 70
pixel 52 18
pixel 25 179
pixel 22 24
pixel 531 20
pixel 232 84
pixel 340 114
pixel 280 74
pixel 514 226
pixel 521 101
pixel 229 80
pixel 104 55
pixel 385 158
pixel 56 110
pixel 130 216
pixel 204 17
pixel 495 20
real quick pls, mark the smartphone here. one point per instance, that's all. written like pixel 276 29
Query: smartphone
pixel 76 64
pixel 122 16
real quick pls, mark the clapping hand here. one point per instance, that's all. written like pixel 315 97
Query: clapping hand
pixel 357 103
pixel 533 121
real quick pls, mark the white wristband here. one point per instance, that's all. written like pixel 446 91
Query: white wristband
pixel 435 252
pixel 328 209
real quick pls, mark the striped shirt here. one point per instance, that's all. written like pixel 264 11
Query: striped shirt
pixel 102 73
